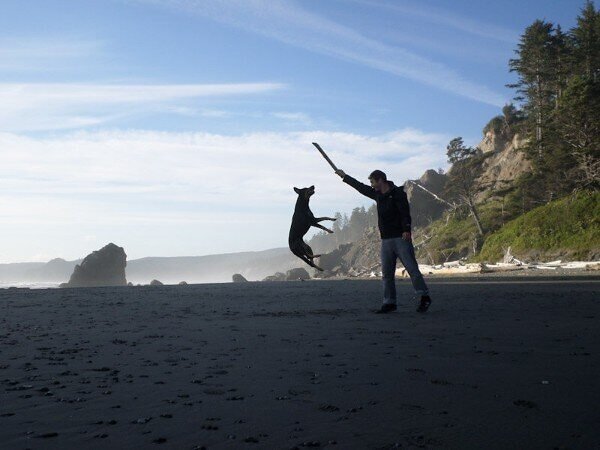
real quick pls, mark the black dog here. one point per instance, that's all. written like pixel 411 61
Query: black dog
pixel 301 222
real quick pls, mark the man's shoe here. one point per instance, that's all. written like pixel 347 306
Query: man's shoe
pixel 386 308
pixel 424 304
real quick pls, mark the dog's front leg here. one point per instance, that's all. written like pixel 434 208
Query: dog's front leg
pixel 318 225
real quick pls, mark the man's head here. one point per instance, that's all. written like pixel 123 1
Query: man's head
pixel 378 179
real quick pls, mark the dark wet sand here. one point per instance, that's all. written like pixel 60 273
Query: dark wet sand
pixel 301 364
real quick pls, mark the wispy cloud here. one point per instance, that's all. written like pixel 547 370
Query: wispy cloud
pixel 460 47
pixel 26 53
pixel 47 106
pixel 447 18
pixel 295 117
pixel 286 21
pixel 166 193
pixel 182 167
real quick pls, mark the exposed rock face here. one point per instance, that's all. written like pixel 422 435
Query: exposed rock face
pixel 502 167
pixel 297 274
pixel 491 143
pixel 277 276
pixel 238 278
pixel 424 207
pixel 504 162
pixel 360 258
pixel 155 283
pixel 104 267
pixel 336 262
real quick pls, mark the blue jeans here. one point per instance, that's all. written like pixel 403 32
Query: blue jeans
pixel 391 250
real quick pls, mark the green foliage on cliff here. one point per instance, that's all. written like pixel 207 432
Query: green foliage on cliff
pixel 569 226
pixel 455 235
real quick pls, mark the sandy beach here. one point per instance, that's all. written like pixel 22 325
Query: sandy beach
pixel 509 363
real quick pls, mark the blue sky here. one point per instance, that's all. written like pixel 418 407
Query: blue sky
pixel 178 127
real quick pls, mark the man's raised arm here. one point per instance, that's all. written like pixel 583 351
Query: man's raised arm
pixel 360 187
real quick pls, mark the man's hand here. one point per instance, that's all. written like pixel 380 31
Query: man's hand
pixel 406 236
pixel 340 173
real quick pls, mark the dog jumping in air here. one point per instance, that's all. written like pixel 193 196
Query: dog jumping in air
pixel 302 220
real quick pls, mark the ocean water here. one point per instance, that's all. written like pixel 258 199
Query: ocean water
pixel 30 285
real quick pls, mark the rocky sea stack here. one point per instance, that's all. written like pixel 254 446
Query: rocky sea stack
pixel 296 274
pixel 277 276
pixel 104 267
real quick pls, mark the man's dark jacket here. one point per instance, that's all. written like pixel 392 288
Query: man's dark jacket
pixel 393 212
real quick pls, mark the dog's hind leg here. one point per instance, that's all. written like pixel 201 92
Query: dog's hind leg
pixel 310 263
pixel 316 267
pixel 297 248
pixel 308 251
pixel 300 248
pixel 309 254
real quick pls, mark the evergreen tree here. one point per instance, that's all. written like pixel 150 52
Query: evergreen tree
pixel 457 152
pixel 372 216
pixel 357 224
pixel 536 85
pixel 345 230
pixel 462 176
pixel 586 39
pixel 504 125
pixel 562 59
pixel 577 127
pixel 338 224
pixel 511 116
pixel 556 85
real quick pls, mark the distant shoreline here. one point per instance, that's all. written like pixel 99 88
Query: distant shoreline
pixel 529 275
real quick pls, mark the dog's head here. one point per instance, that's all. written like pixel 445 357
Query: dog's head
pixel 305 192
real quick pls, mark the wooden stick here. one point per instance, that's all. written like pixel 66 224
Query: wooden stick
pixel 325 156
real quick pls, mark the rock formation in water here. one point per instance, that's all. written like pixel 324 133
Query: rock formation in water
pixel 297 274
pixel 238 278
pixel 104 267
pixel 277 276
pixel 155 283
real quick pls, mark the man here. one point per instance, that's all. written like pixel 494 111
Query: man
pixel 393 216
